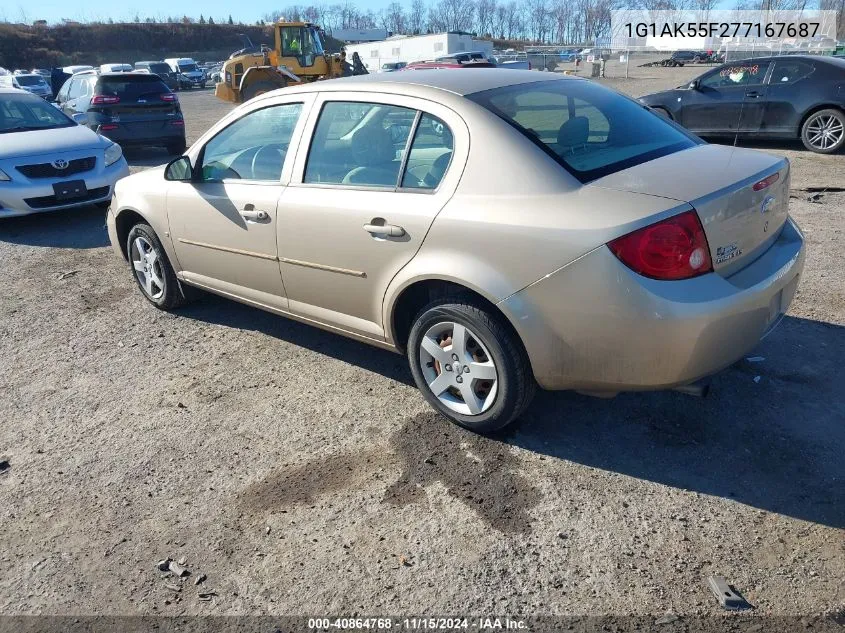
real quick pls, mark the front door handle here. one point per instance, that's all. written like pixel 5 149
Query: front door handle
pixel 752 94
pixel 377 226
pixel 252 214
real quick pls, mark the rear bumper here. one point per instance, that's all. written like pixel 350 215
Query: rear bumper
pixel 156 133
pixel 596 325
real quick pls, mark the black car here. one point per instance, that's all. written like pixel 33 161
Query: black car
pixel 128 108
pixel 162 70
pixel 690 57
pixel 783 97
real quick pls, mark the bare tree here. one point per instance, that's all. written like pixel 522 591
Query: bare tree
pixel 416 16
pixel 452 15
pixel 485 11
pixel 394 19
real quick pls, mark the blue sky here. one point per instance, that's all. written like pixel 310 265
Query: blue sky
pixel 89 10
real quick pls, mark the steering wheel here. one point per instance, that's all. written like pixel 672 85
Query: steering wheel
pixel 265 164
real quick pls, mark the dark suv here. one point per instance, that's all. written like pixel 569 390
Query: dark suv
pixel 128 108
pixel 690 57
pixel 162 70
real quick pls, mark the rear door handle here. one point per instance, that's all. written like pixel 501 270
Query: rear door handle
pixel 752 94
pixel 251 214
pixel 390 230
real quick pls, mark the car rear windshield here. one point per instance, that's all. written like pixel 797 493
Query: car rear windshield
pixel 590 130
pixel 131 86
pixel 188 68
pixel 160 69
pixel 30 80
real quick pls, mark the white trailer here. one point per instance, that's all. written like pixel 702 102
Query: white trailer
pixel 416 48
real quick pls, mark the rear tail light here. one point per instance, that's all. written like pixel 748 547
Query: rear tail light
pixel 169 96
pixel 675 248
pixel 769 180
pixel 105 100
pixel 178 123
pixel 107 127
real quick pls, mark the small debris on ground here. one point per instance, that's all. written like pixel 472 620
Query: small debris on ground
pixel 727 595
pixel 666 619
pixel 66 274
pixel 178 570
pixel 172 587
pixel 758 378
pixel 206 596
pixel 182 561
pixel 267 530
pixel 163 565
pixel 199 579
pixel 4 465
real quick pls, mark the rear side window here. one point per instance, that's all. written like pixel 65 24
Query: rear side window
pixel 359 144
pixel 430 155
pixel 131 87
pixel 160 69
pixel 590 130
pixel 788 72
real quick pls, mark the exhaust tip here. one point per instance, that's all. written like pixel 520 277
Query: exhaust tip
pixel 699 388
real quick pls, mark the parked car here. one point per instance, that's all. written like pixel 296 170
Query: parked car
pixel 690 57
pixel 72 70
pixel 48 162
pixel 31 83
pixel 161 69
pixel 463 58
pixel 116 68
pixel 434 65
pixel 782 97
pixel 187 72
pixel 390 67
pixel 129 108
pixel 597 257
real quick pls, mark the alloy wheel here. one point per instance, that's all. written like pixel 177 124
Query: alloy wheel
pixel 824 131
pixel 458 368
pixel 148 270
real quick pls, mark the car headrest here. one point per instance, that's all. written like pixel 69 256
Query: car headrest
pixel 373 145
pixel 438 169
pixel 576 131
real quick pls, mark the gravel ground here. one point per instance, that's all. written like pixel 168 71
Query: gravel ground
pixel 302 473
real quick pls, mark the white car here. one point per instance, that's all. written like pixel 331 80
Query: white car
pixel 48 162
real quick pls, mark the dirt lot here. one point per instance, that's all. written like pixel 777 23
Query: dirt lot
pixel 304 474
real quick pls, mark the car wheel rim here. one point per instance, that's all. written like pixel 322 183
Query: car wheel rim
pixel 824 132
pixel 458 368
pixel 147 265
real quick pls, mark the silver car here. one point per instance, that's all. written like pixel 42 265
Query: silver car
pixel 48 162
pixel 503 228
pixel 30 82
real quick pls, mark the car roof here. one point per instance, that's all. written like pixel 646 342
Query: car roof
pixel 459 81
pixel 8 90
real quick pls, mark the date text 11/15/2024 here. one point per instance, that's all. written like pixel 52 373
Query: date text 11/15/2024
pixel 418 624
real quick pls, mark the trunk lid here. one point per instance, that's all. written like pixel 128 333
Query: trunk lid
pixel 718 181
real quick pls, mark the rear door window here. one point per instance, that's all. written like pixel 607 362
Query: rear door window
pixel 590 130
pixel 790 71
pixel 359 144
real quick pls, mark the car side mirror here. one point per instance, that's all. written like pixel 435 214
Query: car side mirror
pixel 80 118
pixel 694 85
pixel 179 169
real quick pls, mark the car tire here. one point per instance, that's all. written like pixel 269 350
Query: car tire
pixel 163 290
pixel 178 148
pixel 259 88
pixel 505 384
pixel 824 131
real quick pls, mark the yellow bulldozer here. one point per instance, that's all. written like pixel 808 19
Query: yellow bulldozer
pixel 298 56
